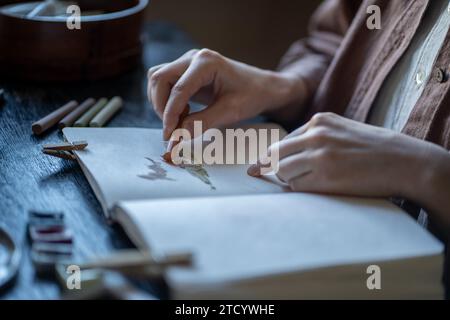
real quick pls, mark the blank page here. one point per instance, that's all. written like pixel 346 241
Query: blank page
pixel 251 236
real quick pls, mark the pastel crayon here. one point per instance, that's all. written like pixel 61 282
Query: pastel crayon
pixel 70 119
pixel 107 112
pixel 53 118
pixel 91 113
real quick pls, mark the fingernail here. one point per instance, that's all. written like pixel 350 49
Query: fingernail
pixel 170 145
pixel 166 134
pixel 254 171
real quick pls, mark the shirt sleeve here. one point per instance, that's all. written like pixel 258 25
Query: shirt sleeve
pixel 309 58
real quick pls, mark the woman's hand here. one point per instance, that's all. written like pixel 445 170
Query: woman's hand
pixel 334 155
pixel 232 91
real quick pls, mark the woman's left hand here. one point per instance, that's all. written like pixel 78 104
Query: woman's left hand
pixel 334 155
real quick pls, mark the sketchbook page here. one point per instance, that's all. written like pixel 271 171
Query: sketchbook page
pixel 238 238
pixel 125 164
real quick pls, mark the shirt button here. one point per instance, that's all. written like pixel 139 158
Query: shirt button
pixel 420 77
pixel 439 75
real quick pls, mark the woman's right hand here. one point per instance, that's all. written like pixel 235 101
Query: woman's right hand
pixel 232 91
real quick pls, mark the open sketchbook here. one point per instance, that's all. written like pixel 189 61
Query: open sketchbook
pixel 125 164
pixel 250 238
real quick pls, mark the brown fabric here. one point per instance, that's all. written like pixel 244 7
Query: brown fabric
pixel 345 64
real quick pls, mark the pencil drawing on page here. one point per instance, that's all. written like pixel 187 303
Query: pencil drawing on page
pixel 199 172
pixel 157 172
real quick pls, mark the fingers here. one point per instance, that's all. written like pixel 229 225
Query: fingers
pixel 214 116
pixel 305 183
pixel 315 134
pixel 291 149
pixel 151 86
pixel 288 147
pixel 152 70
pixel 318 120
pixel 172 143
pixel 294 166
pixel 298 131
pixel 315 157
pixel 162 78
pixel 316 138
pixel 160 89
pixel 300 138
pixel 300 173
pixel 200 73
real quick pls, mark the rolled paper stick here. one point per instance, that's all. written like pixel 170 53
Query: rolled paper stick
pixel 91 113
pixel 107 112
pixel 59 154
pixel 70 119
pixel 66 146
pixel 53 118
pixel 131 259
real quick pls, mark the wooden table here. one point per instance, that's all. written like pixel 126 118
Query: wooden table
pixel 30 180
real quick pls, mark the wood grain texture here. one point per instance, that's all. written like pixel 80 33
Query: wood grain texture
pixel 30 180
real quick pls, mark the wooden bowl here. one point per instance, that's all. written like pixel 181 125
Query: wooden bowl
pixel 45 49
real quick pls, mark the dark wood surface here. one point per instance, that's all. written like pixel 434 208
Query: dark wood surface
pixel 30 180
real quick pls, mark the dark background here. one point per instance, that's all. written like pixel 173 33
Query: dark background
pixel 253 31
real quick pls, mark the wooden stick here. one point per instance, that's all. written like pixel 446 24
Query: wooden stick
pixel 66 146
pixel 60 154
pixel 136 259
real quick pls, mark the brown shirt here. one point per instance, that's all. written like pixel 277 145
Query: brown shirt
pixel 344 64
